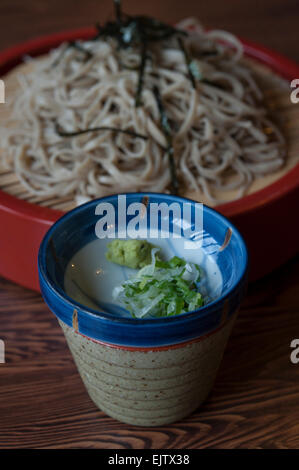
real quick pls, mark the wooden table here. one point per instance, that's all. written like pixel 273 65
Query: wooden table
pixel 255 401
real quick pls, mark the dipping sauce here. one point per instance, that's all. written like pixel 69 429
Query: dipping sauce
pixel 90 277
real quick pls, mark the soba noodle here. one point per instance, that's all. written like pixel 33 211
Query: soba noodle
pixel 222 136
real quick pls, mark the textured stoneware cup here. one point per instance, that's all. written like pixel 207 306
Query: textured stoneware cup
pixel 145 372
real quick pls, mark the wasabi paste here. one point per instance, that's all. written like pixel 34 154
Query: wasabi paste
pixel 131 253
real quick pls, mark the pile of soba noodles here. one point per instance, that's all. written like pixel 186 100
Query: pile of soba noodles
pixel 221 136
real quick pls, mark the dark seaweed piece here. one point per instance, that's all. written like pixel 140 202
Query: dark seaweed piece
pixel 210 53
pixel 211 83
pixel 98 33
pixel 138 101
pixel 118 12
pixel 60 131
pixel 163 116
pixel 168 135
pixel 109 30
pixel 155 30
pixel 188 62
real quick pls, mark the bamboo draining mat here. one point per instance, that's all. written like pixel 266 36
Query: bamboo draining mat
pixel 282 111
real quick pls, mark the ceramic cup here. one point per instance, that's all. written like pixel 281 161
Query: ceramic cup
pixel 150 371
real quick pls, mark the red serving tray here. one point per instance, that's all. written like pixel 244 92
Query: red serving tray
pixel 266 218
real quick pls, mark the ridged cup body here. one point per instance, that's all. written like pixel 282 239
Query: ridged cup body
pixel 148 387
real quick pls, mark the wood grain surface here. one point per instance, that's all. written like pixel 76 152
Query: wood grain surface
pixel 255 401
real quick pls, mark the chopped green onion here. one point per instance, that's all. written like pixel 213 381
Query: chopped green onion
pixel 163 288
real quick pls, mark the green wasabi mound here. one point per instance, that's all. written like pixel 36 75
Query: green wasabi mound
pixel 131 253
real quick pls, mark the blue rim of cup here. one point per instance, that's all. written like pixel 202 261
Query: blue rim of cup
pixel 58 300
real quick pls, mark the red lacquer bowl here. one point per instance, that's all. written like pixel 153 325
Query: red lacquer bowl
pixel 266 218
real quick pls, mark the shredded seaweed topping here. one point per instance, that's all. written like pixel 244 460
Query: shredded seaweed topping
pixel 136 31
